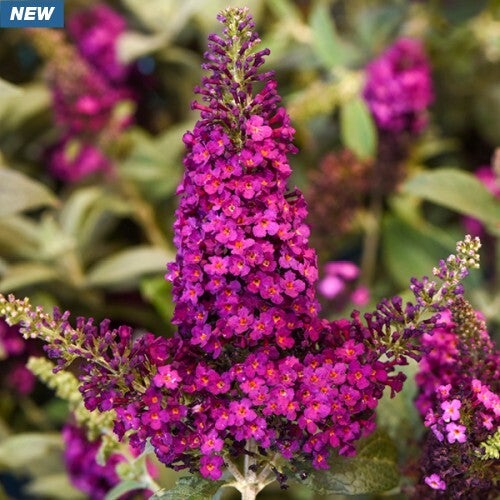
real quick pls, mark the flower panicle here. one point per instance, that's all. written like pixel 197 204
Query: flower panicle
pixel 91 96
pixel 397 328
pixel 64 343
pixel 398 88
pixel 460 401
pixel 450 272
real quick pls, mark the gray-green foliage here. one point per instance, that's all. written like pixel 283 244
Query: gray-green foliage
pixel 373 469
pixel 189 488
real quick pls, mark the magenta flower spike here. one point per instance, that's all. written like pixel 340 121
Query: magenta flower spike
pixel 398 87
pixel 255 366
pixel 459 397
pixel 244 271
pixel 96 30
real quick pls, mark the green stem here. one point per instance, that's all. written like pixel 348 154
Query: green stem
pixel 35 415
pixel 371 241
pixel 144 215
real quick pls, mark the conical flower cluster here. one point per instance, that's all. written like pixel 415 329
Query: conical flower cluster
pixel 459 396
pixel 244 271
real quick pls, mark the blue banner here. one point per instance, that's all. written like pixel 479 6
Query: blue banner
pixel 32 14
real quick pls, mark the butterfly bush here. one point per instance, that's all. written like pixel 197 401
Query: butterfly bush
pixel 459 397
pixel 14 352
pixel 96 30
pixel 336 192
pixel 90 94
pixel 252 369
pixel 338 284
pixel 90 473
pixel 398 88
pixel 80 459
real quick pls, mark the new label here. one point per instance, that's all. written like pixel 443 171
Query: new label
pixel 31 14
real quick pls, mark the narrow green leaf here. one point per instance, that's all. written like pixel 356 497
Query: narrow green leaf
pixel 131 45
pixel 18 193
pixel 330 49
pixel 457 190
pixel 8 90
pixel 77 206
pixel 285 10
pixel 372 470
pixel 26 274
pixel 154 164
pixel 357 128
pixel 124 487
pixel 410 249
pixel 463 10
pixel 88 214
pixel 54 242
pixel 189 488
pixel 156 290
pixel 55 486
pixel 21 449
pixel 18 107
pixel 19 236
pixel 163 16
pixel 399 417
pixel 376 26
pixel 128 266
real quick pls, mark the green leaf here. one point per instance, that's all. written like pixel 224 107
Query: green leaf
pixel 19 236
pixel 330 49
pixel 22 449
pixel 154 164
pixel 77 206
pixel 163 16
pixel 372 470
pixel 8 90
pixel 399 417
pixel 285 10
pixel 189 488
pixel 89 213
pixel 25 274
pixel 124 487
pixel 56 486
pixel 357 128
pixel 18 107
pixel 459 191
pixel 54 242
pixel 132 45
pixel 126 267
pixel 376 26
pixel 460 11
pixel 410 249
pixel 18 193
pixel 157 290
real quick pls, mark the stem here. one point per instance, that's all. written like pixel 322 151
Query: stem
pixel 144 215
pixel 371 241
pixel 249 483
pixel 251 487
pixel 35 414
